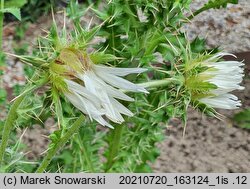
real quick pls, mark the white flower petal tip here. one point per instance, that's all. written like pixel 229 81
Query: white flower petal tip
pixel 102 85
pixel 241 88
pixel 119 71
pixel 143 90
pixel 226 76
pixel 220 55
pixel 225 101
pixel 141 16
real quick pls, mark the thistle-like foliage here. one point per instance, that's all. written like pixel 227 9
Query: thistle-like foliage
pixel 142 33
pixel 92 88
pixel 210 81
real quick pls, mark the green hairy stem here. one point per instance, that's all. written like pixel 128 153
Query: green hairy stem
pixel 114 146
pixel 158 83
pixel 86 157
pixel 1 25
pixel 61 142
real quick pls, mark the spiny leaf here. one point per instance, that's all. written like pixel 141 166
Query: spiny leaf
pixel 14 11
pixel 219 3
pixel 242 119
pixel 33 60
pixel 58 107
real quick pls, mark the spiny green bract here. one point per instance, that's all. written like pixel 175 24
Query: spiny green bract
pixel 61 50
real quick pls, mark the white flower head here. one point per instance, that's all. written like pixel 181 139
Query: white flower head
pixel 95 89
pixel 219 78
pixel 141 15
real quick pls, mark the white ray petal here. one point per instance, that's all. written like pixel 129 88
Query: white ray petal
pixel 102 121
pixel 121 83
pixel 225 84
pixel 118 94
pixel 101 85
pixel 121 108
pixel 76 102
pixel 87 108
pixel 220 91
pixel 73 86
pixel 101 89
pixel 83 105
pixel 227 63
pixel 219 55
pixel 118 71
pixel 225 101
pixel 113 92
pixel 91 83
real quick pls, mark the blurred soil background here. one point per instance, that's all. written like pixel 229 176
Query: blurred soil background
pixel 209 145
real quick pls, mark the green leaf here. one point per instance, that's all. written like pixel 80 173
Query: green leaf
pixel 58 107
pixel 198 45
pixel 14 11
pixel 33 60
pixel 15 3
pixel 100 57
pixel 219 3
pixel 102 15
pixel 213 4
pixel 242 119
pixel 3 95
pixel 89 35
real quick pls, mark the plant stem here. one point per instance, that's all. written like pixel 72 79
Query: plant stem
pixel 114 146
pixel 12 115
pixel 198 12
pixel 158 83
pixel 1 25
pixel 60 143
pixel 117 132
pixel 1 31
pixel 2 4
pixel 85 154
